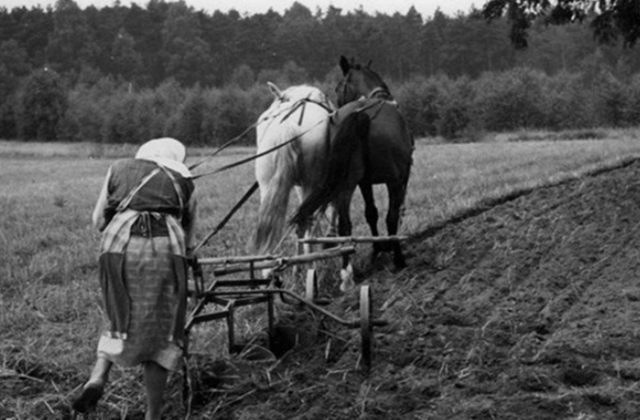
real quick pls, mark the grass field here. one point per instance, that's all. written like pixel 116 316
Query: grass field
pixel 49 295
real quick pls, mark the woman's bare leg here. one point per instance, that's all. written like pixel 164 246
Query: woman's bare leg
pixel 100 372
pixel 155 379
pixel 93 389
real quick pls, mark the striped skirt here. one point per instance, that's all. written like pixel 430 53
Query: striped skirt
pixel 155 305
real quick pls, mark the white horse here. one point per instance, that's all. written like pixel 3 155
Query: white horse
pixel 297 121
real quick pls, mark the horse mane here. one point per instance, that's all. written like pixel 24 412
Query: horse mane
pixel 348 69
pixel 374 74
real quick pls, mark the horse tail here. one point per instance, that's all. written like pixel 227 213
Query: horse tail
pixel 348 140
pixel 273 206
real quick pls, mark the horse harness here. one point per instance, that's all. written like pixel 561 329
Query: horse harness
pixel 300 103
pixel 378 101
pixel 295 106
pixel 303 103
pixel 382 93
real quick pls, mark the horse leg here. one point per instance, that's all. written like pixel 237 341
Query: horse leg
pixel 344 229
pixel 303 230
pixel 371 215
pixel 331 216
pixel 396 201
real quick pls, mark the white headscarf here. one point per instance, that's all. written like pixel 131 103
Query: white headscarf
pixel 167 152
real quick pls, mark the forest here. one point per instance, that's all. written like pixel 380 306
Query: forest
pixel 123 74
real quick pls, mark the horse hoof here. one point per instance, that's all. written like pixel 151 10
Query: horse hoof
pixel 399 263
pixel 88 400
pixel 379 247
pixel 346 274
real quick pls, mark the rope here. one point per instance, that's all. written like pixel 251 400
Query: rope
pixel 254 187
pixel 224 221
pixel 254 157
pixel 224 146
pixel 237 138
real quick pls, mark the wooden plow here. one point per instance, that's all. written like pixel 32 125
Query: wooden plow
pixel 227 295
pixel 219 299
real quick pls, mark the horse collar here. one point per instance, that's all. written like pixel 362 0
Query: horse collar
pixel 302 103
pixel 380 91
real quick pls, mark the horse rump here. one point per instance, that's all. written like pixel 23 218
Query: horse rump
pixel 344 166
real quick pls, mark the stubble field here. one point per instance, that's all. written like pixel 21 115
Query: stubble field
pixel 520 300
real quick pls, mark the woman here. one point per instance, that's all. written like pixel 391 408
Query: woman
pixel 146 213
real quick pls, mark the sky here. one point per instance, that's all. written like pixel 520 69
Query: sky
pixel 425 7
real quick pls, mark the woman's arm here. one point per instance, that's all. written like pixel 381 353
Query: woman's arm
pixel 98 218
pixel 189 223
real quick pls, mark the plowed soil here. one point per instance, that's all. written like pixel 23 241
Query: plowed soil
pixel 526 309
pixel 529 309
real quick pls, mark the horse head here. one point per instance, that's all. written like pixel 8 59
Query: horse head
pixel 360 81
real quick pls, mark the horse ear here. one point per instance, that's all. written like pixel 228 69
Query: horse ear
pixel 275 90
pixel 344 65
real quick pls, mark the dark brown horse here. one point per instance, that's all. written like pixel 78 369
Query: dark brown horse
pixel 370 143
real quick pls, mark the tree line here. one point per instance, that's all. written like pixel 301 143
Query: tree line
pixel 457 109
pixel 147 45
pixel 121 74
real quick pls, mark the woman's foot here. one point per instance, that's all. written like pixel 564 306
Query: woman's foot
pixel 88 400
